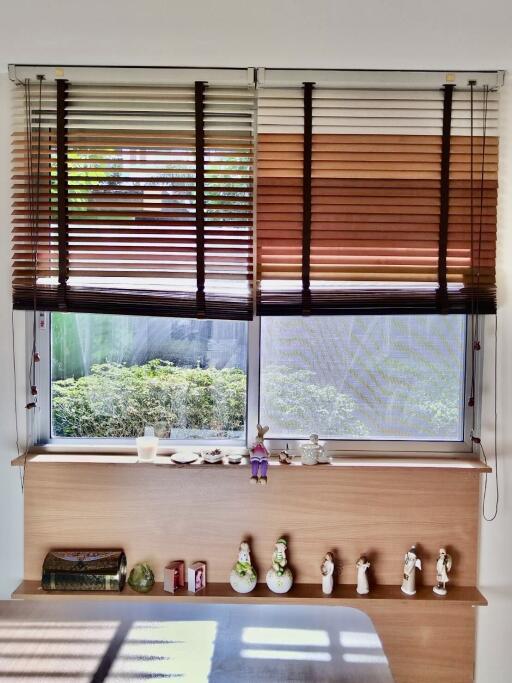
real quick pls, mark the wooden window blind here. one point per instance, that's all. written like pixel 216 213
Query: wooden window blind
pixel 133 197
pixel 376 199
pixel 134 193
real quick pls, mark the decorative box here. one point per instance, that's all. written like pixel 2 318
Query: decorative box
pixel 84 570
pixel 174 576
pixel 196 577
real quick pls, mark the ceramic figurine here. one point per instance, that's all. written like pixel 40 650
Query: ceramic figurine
pixel 259 457
pixel 279 576
pixel 285 457
pixel 243 576
pixel 362 565
pixel 313 452
pixel 411 563
pixel 443 568
pixel 327 569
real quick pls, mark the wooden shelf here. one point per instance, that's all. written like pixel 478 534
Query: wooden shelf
pixel 302 593
pixel 339 463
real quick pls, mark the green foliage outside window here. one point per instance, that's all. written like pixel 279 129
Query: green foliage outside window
pixel 118 401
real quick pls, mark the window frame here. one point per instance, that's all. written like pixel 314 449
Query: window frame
pixel 337 447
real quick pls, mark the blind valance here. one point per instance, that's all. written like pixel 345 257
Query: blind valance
pixel 376 200
pixel 134 197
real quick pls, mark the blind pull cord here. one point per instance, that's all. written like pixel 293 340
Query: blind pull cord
pixel 62 189
pixel 306 197
pixel 442 293
pixel 200 199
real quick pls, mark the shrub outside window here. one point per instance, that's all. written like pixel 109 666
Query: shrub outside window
pixel 392 377
pixel 112 374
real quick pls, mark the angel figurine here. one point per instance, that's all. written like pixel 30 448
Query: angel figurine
pixel 362 565
pixel 443 568
pixel 259 457
pixel 327 569
pixel 411 563
pixel 279 576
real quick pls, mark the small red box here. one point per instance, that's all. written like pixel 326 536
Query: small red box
pixel 174 576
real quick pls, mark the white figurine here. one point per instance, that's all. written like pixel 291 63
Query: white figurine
pixel 443 567
pixel 411 563
pixel 362 565
pixel 327 570
pixel 312 452
pixel 279 576
pixel 243 576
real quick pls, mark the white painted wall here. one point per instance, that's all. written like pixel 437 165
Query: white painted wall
pixel 421 34
pixel 424 34
pixel 494 657
pixel 11 511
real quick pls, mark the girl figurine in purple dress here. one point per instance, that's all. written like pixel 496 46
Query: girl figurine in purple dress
pixel 259 457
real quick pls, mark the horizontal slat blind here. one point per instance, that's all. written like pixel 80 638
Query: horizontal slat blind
pixel 376 200
pixel 114 210
pixel 35 248
pixel 131 188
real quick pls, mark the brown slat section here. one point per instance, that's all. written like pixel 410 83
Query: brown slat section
pixel 131 204
pixel 375 217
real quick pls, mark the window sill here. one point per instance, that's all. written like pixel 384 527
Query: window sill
pixel 467 464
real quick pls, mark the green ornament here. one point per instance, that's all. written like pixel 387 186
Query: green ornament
pixel 141 578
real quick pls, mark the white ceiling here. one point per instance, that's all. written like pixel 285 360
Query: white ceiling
pixel 415 34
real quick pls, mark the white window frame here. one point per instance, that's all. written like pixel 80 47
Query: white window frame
pixel 336 447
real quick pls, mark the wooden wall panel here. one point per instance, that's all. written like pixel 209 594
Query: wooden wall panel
pixel 163 513
pixel 427 643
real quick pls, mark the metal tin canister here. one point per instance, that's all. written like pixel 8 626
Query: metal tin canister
pixel 84 570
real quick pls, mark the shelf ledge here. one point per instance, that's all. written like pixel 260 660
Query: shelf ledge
pixel 301 593
pixel 374 461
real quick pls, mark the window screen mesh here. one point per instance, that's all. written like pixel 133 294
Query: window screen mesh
pixel 364 377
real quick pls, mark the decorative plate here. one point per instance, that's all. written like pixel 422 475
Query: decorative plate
pixel 184 457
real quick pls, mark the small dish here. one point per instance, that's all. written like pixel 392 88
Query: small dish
pixel 184 457
pixel 211 455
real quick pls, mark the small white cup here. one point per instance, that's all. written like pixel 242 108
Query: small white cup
pixel 147 445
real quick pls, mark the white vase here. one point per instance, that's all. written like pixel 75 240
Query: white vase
pixel 242 584
pixel 279 584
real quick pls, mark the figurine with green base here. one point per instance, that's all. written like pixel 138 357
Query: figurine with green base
pixel 243 577
pixel 279 576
